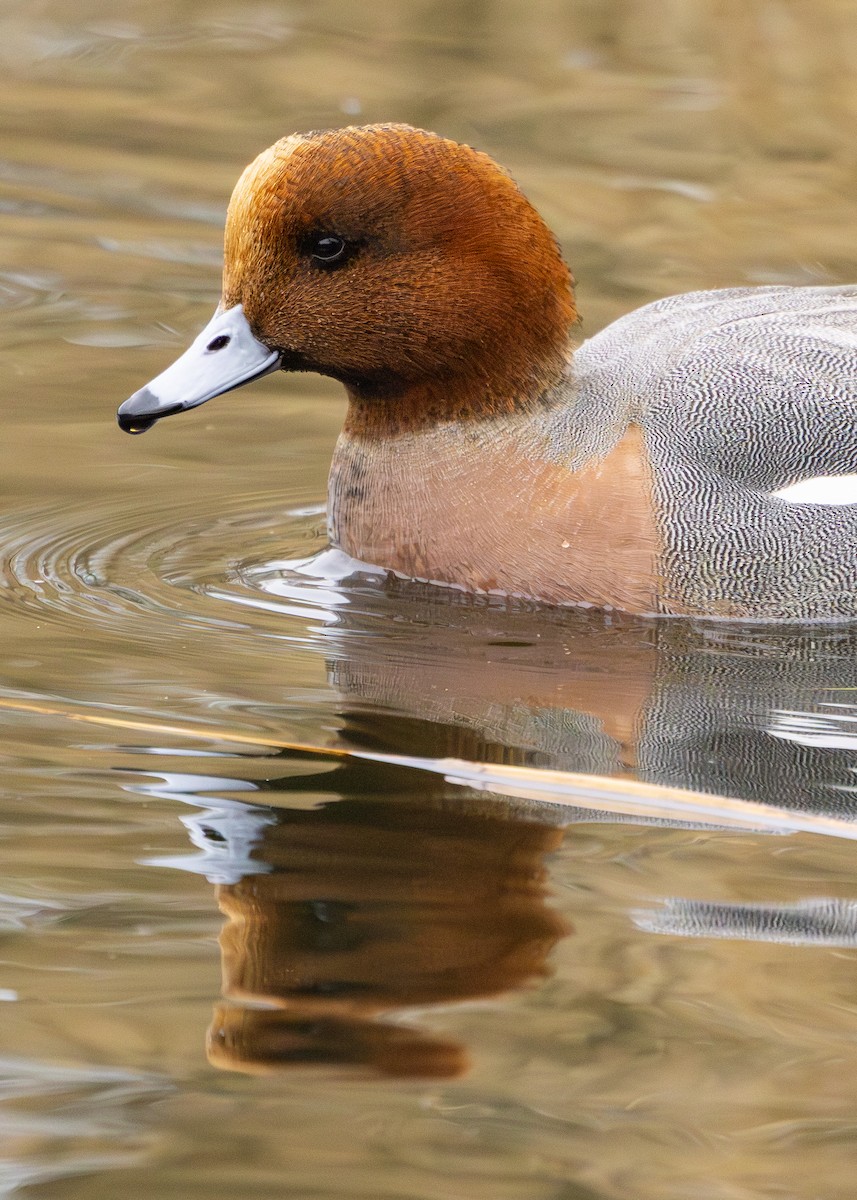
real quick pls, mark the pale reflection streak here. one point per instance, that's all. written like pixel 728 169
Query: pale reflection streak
pixel 60 1121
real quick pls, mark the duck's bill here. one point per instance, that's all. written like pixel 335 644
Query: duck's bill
pixel 226 355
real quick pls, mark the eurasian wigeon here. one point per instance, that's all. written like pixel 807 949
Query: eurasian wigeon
pixel 698 456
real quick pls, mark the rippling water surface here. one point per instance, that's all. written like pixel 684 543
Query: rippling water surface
pixel 231 967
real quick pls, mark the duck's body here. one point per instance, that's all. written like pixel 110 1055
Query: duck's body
pixel 678 462
pixel 741 395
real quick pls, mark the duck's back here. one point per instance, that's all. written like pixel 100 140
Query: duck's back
pixel 741 394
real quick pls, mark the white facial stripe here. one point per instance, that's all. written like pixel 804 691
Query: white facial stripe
pixel 824 489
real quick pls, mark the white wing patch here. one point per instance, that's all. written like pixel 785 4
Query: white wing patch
pixel 834 336
pixel 823 489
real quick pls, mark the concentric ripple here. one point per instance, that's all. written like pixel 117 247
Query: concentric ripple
pixel 166 569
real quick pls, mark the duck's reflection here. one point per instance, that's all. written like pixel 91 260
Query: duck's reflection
pixel 760 712
pixel 365 911
pixel 400 891
pixel 371 910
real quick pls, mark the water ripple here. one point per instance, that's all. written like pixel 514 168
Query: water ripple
pixel 172 568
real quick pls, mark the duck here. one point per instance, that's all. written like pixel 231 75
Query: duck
pixel 697 457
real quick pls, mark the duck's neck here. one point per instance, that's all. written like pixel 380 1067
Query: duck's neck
pixel 491 384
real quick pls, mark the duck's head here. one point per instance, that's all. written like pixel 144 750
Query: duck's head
pixel 407 266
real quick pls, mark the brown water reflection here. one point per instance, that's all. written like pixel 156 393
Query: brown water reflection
pixel 366 912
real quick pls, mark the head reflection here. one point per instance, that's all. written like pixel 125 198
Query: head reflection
pixel 364 911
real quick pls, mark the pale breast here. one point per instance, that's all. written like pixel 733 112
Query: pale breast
pixel 480 507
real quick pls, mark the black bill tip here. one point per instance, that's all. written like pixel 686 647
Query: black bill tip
pixel 142 410
pixel 128 423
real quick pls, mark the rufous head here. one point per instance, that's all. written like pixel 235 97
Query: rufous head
pixel 407 266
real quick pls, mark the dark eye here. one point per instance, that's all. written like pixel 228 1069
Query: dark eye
pixel 328 249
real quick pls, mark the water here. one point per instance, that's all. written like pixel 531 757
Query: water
pixel 230 968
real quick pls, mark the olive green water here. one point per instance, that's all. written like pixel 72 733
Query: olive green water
pixel 232 972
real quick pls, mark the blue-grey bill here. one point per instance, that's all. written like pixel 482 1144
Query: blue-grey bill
pixel 224 356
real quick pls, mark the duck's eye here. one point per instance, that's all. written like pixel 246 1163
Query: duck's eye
pixel 328 249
